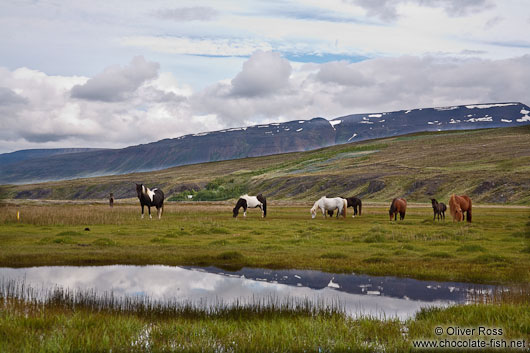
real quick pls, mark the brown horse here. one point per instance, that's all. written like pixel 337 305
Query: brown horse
pixel 458 205
pixel 398 205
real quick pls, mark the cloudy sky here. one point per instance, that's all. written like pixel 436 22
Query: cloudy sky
pixel 90 73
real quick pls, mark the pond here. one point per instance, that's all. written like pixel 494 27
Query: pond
pixel 356 294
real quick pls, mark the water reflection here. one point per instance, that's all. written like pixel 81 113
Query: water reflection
pixel 358 294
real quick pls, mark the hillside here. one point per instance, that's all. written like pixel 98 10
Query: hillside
pixel 261 140
pixel 490 165
pixel 24 155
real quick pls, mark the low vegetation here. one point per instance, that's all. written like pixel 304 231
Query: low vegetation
pixel 86 322
pixel 492 249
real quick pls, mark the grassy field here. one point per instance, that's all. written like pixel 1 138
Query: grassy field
pixel 86 323
pixel 491 166
pixel 494 248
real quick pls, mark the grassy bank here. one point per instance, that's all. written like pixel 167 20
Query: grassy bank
pixel 85 323
pixel 495 248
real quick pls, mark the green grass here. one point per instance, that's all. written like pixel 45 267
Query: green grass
pixel 485 251
pixel 88 322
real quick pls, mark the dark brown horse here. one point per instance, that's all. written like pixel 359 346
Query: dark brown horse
pixel 458 205
pixel 355 203
pixel 438 209
pixel 399 205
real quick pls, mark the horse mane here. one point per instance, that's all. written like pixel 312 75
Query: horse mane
pixel 393 206
pixel 454 206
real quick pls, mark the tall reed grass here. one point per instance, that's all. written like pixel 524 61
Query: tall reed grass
pixel 144 306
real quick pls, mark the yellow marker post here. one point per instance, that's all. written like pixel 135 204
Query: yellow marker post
pixel 18 216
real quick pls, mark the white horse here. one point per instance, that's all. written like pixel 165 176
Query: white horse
pixel 326 204
pixel 246 201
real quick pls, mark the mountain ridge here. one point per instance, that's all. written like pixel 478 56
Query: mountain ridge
pixel 489 165
pixel 264 139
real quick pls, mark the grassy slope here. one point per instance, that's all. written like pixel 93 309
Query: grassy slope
pixel 490 165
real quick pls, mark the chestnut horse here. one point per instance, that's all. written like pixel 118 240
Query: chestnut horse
pixel 458 205
pixel 398 205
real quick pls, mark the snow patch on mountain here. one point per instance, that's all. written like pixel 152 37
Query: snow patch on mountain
pixel 486 106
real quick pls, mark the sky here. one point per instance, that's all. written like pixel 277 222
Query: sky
pixel 110 74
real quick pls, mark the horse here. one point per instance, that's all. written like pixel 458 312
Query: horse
pixel 399 205
pixel 438 209
pixel 246 201
pixel 150 198
pixel 355 202
pixel 458 205
pixel 329 204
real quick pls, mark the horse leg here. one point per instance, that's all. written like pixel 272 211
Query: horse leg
pixel 244 211
pixel 142 211
pixel 402 215
pixel 261 211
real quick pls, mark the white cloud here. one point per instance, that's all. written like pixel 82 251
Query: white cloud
pixel 383 84
pixel 186 14
pixel 38 110
pixel 117 83
pixel 197 46
pixel 264 73
pixel 389 10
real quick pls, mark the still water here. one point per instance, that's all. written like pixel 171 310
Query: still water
pixel 357 294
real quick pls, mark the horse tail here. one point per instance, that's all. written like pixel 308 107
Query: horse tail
pixel 263 201
pixel 469 211
pixel 360 206
pixel 345 202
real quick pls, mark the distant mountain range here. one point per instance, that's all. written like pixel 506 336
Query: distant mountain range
pixel 22 155
pixel 300 135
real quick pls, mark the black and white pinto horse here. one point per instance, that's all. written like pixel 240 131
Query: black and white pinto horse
pixel 246 201
pixel 150 198
pixel 438 209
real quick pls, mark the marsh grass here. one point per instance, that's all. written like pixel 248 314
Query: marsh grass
pixel 144 306
pixel 33 320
